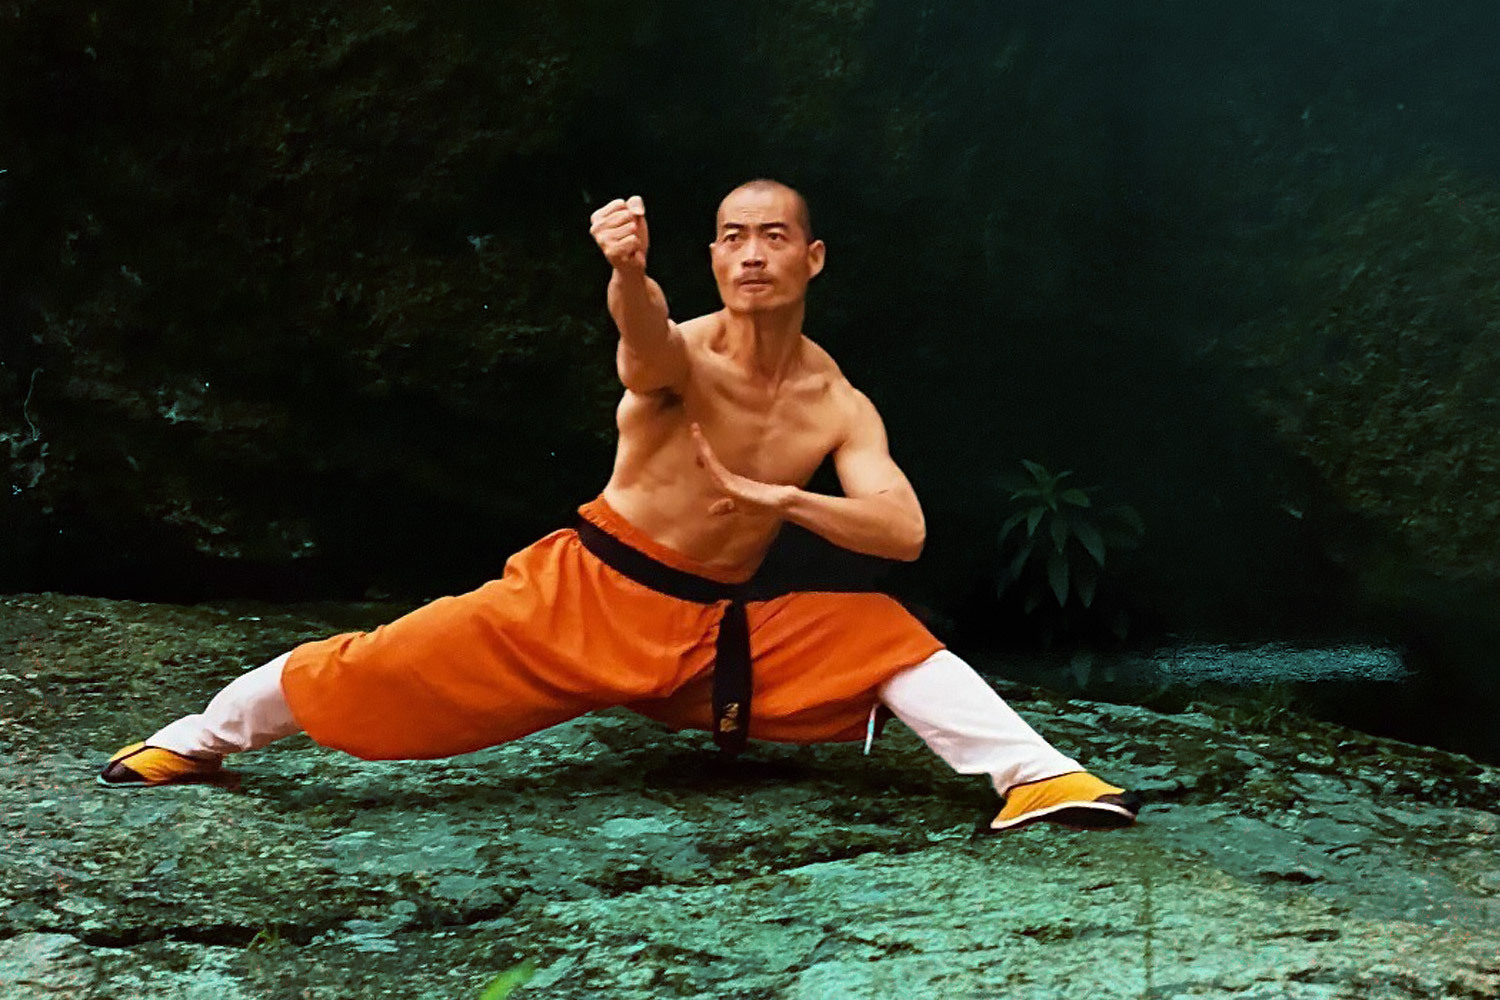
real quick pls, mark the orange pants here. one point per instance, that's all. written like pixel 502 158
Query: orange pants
pixel 561 634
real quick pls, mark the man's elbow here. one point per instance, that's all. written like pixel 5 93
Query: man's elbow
pixel 637 378
pixel 641 376
pixel 912 545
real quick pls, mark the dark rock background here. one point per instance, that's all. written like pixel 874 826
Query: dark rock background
pixel 297 300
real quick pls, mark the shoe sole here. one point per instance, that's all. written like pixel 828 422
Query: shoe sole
pixel 217 778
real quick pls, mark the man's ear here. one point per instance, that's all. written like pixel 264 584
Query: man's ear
pixel 816 252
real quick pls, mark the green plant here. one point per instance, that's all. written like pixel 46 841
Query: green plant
pixel 265 939
pixel 506 983
pixel 1066 541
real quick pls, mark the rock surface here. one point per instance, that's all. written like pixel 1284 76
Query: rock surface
pixel 1277 858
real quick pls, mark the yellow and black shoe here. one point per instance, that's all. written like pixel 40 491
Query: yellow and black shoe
pixel 1077 800
pixel 138 766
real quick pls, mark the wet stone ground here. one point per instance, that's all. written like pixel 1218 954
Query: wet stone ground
pixel 1277 858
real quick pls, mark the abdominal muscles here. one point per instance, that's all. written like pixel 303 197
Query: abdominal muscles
pixel 659 487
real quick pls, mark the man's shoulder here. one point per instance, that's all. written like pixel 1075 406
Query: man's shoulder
pixel 845 403
pixel 701 328
pixel 819 362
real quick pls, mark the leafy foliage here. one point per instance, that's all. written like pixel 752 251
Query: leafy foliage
pixel 1055 544
pixel 509 981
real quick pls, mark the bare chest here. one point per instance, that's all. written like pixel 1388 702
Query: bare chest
pixel 778 434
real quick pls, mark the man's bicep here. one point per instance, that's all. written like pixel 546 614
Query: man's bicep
pixel 863 461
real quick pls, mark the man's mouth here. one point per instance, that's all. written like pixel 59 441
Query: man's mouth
pixel 754 282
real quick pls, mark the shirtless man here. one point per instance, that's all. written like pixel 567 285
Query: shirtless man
pixel 649 600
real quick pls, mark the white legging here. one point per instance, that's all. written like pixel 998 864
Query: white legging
pixel 942 699
pixel 247 714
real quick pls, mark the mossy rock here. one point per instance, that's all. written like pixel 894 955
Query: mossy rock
pixel 1383 371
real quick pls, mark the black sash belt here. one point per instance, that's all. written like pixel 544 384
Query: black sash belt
pixel 732 681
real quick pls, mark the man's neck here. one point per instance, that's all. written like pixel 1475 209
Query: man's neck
pixel 766 343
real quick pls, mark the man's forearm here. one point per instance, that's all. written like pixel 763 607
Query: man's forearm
pixel 639 309
pixel 878 525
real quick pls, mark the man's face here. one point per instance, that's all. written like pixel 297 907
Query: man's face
pixel 761 258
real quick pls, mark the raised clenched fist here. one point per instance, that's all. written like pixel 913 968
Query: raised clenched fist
pixel 620 230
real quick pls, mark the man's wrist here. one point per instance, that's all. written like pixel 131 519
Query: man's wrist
pixel 785 502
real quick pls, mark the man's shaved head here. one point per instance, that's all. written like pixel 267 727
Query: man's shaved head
pixel 800 213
